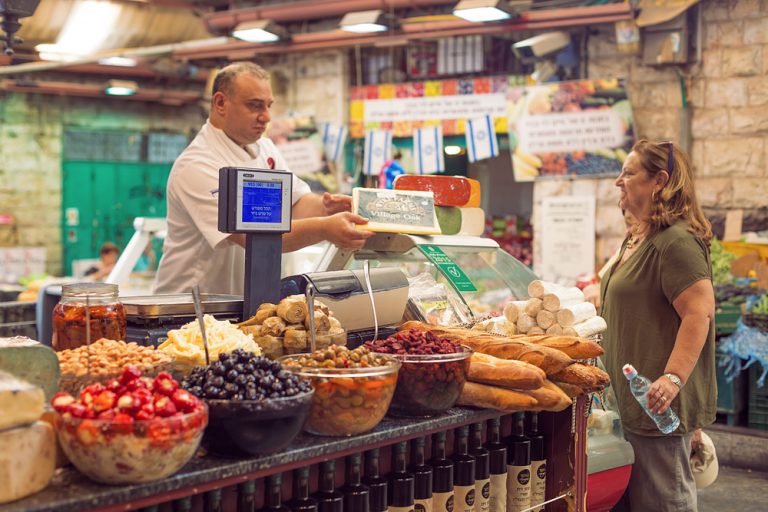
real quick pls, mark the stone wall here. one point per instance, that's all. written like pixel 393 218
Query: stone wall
pixel 728 99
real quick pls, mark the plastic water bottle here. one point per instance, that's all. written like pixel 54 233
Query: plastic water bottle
pixel 666 421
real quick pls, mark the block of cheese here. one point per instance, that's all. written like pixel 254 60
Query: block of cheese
pixel 460 221
pixel 448 190
pixel 396 211
pixel 31 361
pixel 27 460
pixel 21 403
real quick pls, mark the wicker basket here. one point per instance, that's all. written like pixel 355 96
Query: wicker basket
pixel 756 321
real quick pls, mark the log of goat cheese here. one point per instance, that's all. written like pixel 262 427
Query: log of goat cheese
pixel 525 323
pixel 512 310
pixel 591 327
pixel 545 319
pixel 562 298
pixel 575 314
pixel 532 307
pixel 537 289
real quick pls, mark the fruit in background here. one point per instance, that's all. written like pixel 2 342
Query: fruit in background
pixel 621 155
pixel 523 168
pixel 529 158
pixel 604 152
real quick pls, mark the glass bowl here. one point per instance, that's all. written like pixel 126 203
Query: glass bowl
pixel 255 427
pixel 126 453
pixel 429 384
pixel 347 401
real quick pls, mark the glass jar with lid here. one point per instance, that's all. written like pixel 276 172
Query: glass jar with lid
pixel 107 316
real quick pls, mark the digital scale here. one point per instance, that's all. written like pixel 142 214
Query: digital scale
pixel 257 203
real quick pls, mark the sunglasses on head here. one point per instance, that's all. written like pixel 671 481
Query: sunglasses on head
pixel 670 157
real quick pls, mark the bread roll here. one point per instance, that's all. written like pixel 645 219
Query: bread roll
pixel 273 326
pixel 292 309
pixel 572 346
pixel 322 323
pixel 538 289
pixel 265 311
pixel 490 397
pixel 575 314
pixel 559 299
pixel 590 378
pixel 253 330
pixel 505 373
pixel 545 319
pixel 334 322
pixel 532 307
pixel 295 341
pixel 271 346
pixel 338 336
pixel 319 306
pixel 512 310
pixel 549 397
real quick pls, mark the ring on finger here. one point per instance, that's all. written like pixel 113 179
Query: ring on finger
pixel 664 399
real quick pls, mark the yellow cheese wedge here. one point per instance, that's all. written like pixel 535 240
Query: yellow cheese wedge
pixel 21 403
pixel 27 460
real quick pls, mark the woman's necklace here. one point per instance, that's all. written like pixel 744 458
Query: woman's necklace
pixel 634 238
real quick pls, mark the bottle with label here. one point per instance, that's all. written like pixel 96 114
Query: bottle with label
pixel 377 486
pixel 667 421
pixel 401 482
pixel 246 496
pixel 273 501
pixel 463 472
pixel 422 477
pixel 442 476
pixel 213 501
pixel 497 453
pixel 518 467
pixel 482 468
pixel 356 495
pixel 301 502
pixel 538 462
pixel 327 497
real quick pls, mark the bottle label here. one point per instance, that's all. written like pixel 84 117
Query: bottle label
pixel 464 498
pixel 442 501
pixel 538 483
pixel 400 509
pixel 424 505
pixel 518 488
pixel 497 502
pixel 482 495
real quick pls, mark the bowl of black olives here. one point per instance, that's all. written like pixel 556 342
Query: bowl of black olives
pixel 255 407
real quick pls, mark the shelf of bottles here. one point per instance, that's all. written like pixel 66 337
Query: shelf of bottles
pixel 520 462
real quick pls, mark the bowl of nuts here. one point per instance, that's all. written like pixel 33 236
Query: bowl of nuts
pixel 255 406
pixel 105 359
pixel 432 374
pixel 353 388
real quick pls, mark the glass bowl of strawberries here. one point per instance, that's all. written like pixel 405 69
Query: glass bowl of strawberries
pixel 131 429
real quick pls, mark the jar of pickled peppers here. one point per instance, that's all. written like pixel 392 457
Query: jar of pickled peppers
pixel 70 318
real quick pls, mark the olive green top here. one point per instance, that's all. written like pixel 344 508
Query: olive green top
pixel 643 325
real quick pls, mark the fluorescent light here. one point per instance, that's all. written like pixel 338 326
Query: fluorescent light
pixel 481 10
pixel 121 88
pixel 88 26
pixel 364 22
pixel 452 150
pixel 259 31
pixel 55 53
pixel 118 61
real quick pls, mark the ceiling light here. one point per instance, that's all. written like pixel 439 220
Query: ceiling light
pixel 121 88
pixel 452 150
pixel 482 10
pixel 259 31
pixel 118 61
pixel 56 53
pixel 363 22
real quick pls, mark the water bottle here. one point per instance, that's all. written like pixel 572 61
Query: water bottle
pixel 666 421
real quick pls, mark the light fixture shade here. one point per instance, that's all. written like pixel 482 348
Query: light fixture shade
pixel 482 10
pixel 121 87
pixel 259 31
pixel 362 22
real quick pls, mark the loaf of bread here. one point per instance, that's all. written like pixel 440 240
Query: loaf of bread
pixel 491 397
pixel 506 373
pixel 573 346
pixel 549 397
pixel 572 390
pixel 589 378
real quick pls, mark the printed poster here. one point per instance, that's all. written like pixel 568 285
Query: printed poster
pixel 578 128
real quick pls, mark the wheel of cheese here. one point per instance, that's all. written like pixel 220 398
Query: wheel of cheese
pixel 448 190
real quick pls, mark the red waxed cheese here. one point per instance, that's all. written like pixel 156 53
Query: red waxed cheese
pixel 448 190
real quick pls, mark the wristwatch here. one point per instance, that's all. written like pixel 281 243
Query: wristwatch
pixel 675 380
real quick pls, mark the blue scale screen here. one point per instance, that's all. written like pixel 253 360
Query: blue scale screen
pixel 262 201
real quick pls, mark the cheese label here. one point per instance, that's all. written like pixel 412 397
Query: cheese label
pixel 497 501
pixel 518 488
pixel 538 483
pixel 396 211
pixel 482 495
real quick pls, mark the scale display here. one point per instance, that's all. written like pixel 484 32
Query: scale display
pixel 254 200
pixel 262 201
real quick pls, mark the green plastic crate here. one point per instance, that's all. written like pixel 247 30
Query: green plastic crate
pixel 731 396
pixel 726 318
pixel 758 400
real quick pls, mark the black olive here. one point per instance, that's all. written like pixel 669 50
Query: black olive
pixel 238 396
pixel 239 368
pixel 241 380
pixel 250 368
pixel 222 394
pixel 250 378
pixel 231 387
pixel 223 356
pixel 232 375
pixel 251 394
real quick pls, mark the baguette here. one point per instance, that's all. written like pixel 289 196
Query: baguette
pixel 504 373
pixel 572 390
pixel 490 397
pixel 548 359
pixel 549 397
pixel 573 346
pixel 590 378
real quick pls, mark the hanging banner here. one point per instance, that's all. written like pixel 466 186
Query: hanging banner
pixel 428 150
pixel 334 137
pixel 579 128
pixel 378 148
pixel 481 139
pixel 567 238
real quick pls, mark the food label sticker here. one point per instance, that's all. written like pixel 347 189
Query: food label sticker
pixel 448 268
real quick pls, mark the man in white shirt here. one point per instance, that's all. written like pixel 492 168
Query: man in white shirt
pixel 195 251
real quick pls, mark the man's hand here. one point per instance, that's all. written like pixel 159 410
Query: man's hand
pixel 340 230
pixel 336 203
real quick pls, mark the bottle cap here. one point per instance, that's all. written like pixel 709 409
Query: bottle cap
pixel 629 371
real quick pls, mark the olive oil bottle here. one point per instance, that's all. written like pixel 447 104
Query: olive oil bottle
pixel 463 472
pixel 327 497
pixel 518 467
pixel 482 468
pixel 423 477
pixel 497 452
pixel 442 479
pixel 401 485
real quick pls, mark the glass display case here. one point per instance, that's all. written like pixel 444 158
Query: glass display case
pixel 463 278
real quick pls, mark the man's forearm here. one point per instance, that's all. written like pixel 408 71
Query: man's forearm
pixel 691 338
pixel 310 205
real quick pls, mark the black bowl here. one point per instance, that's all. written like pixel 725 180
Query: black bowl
pixel 255 427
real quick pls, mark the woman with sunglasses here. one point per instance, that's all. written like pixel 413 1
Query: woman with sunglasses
pixel 659 305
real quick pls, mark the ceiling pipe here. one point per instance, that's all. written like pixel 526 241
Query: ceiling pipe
pixel 303 10
pixel 166 96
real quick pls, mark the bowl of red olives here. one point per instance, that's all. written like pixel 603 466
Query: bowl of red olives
pixel 432 373
pixel 255 406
